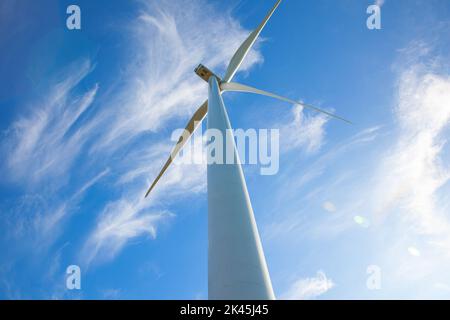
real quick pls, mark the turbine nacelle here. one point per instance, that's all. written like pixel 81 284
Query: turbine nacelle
pixel 204 73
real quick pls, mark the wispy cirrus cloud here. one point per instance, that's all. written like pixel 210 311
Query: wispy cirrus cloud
pixel 120 221
pixel 40 148
pixel 43 143
pixel 303 132
pixel 309 288
pixel 413 171
pixel 411 181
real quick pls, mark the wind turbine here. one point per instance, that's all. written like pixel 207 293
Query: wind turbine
pixel 237 267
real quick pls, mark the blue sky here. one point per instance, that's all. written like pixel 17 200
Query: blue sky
pixel 86 120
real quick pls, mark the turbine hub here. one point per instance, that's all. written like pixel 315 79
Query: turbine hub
pixel 204 73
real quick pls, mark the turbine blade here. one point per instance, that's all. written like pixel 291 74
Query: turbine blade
pixel 233 86
pixel 196 119
pixel 245 47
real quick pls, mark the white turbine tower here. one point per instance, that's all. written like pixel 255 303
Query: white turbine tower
pixel 237 267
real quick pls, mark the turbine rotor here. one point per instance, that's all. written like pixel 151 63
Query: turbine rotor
pixel 225 84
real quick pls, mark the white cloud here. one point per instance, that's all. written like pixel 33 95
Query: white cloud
pixel 309 288
pixel 44 143
pixel 91 182
pixel 305 132
pixel 119 222
pixel 38 220
pixel 412 171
